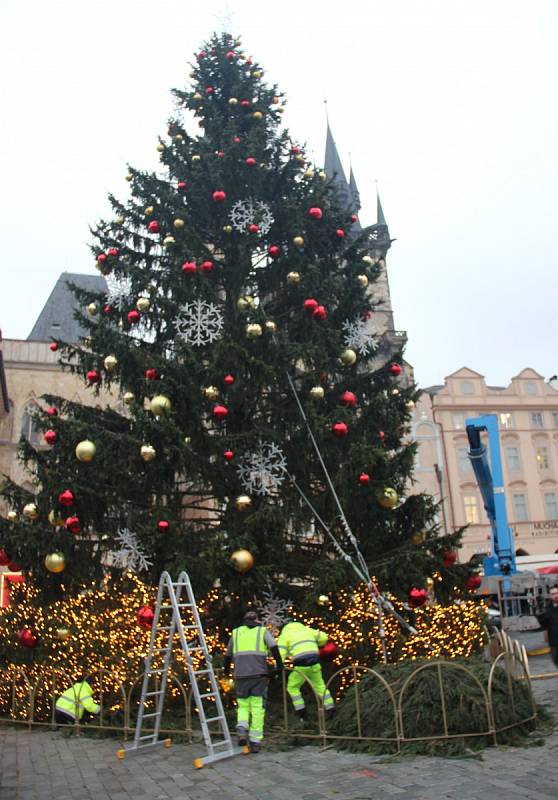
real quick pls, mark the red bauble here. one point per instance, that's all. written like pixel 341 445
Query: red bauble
pixel 202 55
pixel 348 399
pixel 449 557
pixel 395 369
pixel 340 233
pixel 162 526
pixel 236 139
pixel 101 258
pixel 228 380
pixel 253 228
pixel 364 479
pixel 245 103
pixel 189 267
pixel 315 212
pixel 381 436
pixel 207 266
pixel 329 651
pixel 320 313
pixel 473 582
pixel 93 376
pixel 106 309
pixel 27 638
pixel 417 597
pixel 219 196
pixel 181 185
pixel 209 90
pixel 153 226
pixel 13 566
pixel 53 346
pixel 295 149
pixel 73 524
pixel 151 374
pixel 145 617
pixel 354 217
pixel 114 252
pixel 310 305
pixel 52 411
pixel 220 153
pixel 4 558
pixel 339 429
pixel 274 251
pixel 66 498
pixel 228 455
pixel 50 437
pixel 251 161
pixel 220 412
pixel 230 55
pixel 133 316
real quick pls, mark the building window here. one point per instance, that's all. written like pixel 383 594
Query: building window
pixel 463 459
pixel 520 507
pixel 28 424
pixel 512 458
pixel 459 421
pixel 471 509
pixel 555 418
pixel 467 387
pixel 550 505
pixel 537 419
pixel 543 459
pixel 506 421
pixel 530 388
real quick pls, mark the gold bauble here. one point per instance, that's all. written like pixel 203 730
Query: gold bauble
pixel 55 562
pixel 281 109
pixel 322 176
pixel 128 398
pixel 55 519
pixel 299 157
pixel 11 516
pixel 149 211
pixel 257 115
pixel 317 392
pixel 270 326
pixel 178 223
pixel 257 73
pixel 160 404
pixel 187 440
pixel 362 280
pixel 228 228
pixel 417 538
pixel 254 330
pixel 110 363
pixel 168 241
pixel 298 241
pixel 275 100
pixel 251 301
pixel 409 405
pixel 429 583
pixel 92 309
pixel 143 304
pixel 242 560
pixel 368 260
pixel 30 511
pixel 178 138
pixel 160 148
pixel 348 357
pixel 309 174
pixel 62 634
pixel 128 177
pixel 120 220
pixel 242 502
pixel 233 101
pixel 85 451
pixel 323 600
pixel 388 498
pixel 211 392
pixel 148 452
pixel 293 277
pixel 242 304
pixel 196 158
pixel 395 391
pixel 197 96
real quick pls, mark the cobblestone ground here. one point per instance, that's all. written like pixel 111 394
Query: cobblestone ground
pixel 45 765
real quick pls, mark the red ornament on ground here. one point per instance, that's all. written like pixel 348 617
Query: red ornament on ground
pixel 474 582
pixel 364 479
pixel 50 437
pixel 207 266
pixel 449 557
pixel 113 252
pixel 162 526
pixel 27 638
pixel 228 380
pixel 151 374
pixel 395 369
pixel 417 597
pixel 329 651
pixel 53 346
pixel 93 376
pixel 101 258
pixel 220 412
pixel 310 305
pixel 133 317
pixel 4 558
pixel 340 233
pixel 228 455
pixel 219 196
pixel 66 498
pixel 145 617
pixel 274 251
pixel 73 524
pixel 52 411
pixel 153 226
pixel 348 399
pixel 315 212
pixel 253 228
pixel 320 313
pixel 189 268
pixel 251 161
pixel 181 185
pixel 339 429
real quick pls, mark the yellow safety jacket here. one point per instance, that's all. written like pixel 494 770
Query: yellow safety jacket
pixel 249 647
pixel 77 699
pixel 298 641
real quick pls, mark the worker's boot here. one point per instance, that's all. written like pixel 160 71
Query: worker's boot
pixel 254 747
pixel 242 734
pixel 302 716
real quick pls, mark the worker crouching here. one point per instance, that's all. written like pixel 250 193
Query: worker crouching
pixel 249 647
pixel 76 704
pixel 302 645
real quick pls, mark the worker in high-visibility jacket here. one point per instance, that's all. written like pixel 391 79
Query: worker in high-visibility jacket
pixel 75 704
pixel 302 645
pixel 249 647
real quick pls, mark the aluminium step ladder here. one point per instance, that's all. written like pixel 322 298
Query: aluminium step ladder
pixel 176 598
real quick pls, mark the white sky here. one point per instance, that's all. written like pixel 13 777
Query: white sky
pixel 451 105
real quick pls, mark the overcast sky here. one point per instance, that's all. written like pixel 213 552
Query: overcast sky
pixel 451 106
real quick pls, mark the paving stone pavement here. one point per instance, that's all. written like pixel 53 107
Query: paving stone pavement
pixel 47 765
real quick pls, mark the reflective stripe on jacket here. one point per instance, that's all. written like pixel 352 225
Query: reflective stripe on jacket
pixel 77 699
pixel 249 647
pixel 297 641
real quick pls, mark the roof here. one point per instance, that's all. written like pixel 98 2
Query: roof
pixel 433 389
pixel 56 320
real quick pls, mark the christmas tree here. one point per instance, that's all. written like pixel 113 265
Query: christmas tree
pixel 240 286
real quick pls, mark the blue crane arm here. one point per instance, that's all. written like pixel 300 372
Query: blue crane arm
pixel 478 455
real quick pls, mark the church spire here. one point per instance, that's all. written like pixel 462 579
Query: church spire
pixel 380 218
pixel 333 168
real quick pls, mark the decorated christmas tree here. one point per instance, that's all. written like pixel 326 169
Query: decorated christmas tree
pixel 239 321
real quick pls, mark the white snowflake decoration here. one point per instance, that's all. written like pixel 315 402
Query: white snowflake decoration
pixel 251 212
pixel 130 555
pixel 119 292
pixel 272 610
pixel 262 471
pixel 199 323
pixel 358 336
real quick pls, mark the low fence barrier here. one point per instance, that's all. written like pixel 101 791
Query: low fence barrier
pixel 33 704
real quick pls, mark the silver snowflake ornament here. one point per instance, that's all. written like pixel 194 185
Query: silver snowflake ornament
pixel 358 335
pixel 199 323
pixel 251 212
pixel 272 610
pixel 263 471
pixel 119 295
pixel 130 555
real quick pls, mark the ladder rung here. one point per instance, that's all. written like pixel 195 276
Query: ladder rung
pixel 221 743
pixel 161 669
pixel 161 650
pixel 154 714
pixel 209 694
pixel 213 719
pixel 165 628
pixel 150 694
pixel 147 736
pixel 189 626
pixel 195 649
pixel 184 605
pixel 201 671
